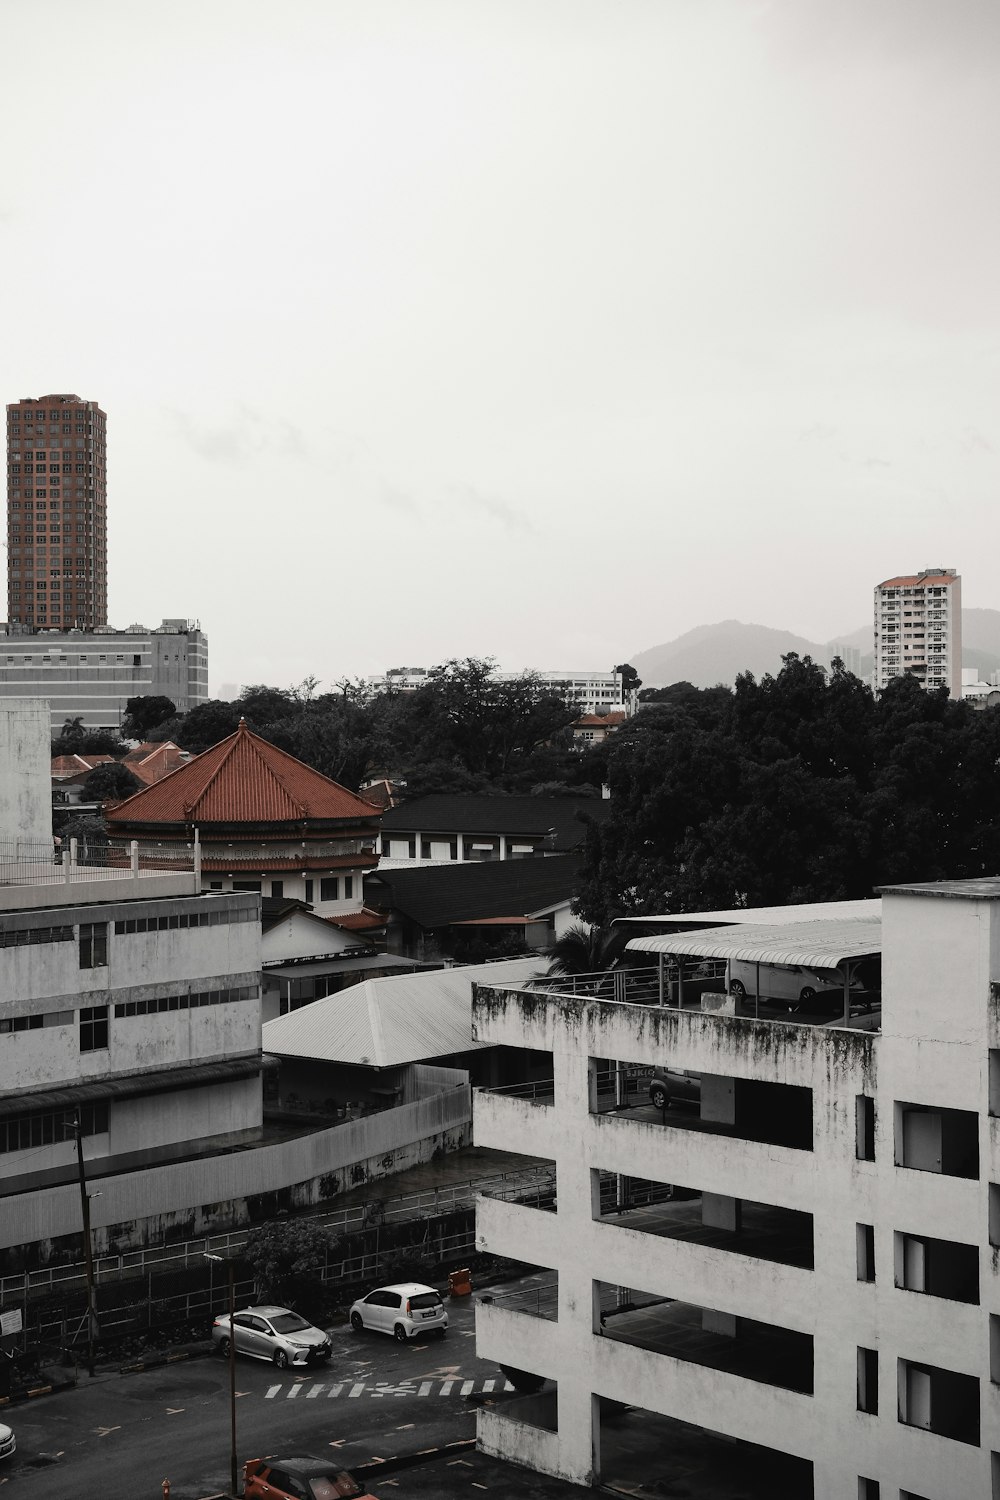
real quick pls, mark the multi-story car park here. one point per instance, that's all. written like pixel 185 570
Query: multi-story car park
pixel 918 629
pixel 801 1267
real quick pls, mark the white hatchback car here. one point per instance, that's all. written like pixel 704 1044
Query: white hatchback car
pixel 7 1443
pixel 405 1310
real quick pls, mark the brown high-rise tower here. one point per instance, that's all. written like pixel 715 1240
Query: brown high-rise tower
pixel 57 529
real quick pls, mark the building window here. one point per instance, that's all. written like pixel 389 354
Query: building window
pixel 94 1028
pixel 866 1251
pixel 348 887
pixel 868 1381
pixel 93 946
pixel 329 889
pixel 940 1401
pixel 309 892
pixel 277 887
pixel 865 1126
pixel 937 1140
pixel 938 1268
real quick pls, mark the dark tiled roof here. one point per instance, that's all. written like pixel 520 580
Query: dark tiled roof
pixel 437 895
pixel 243 779
pixel 441 813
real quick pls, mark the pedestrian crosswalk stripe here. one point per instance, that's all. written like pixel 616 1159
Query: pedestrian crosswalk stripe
pixel 377 1390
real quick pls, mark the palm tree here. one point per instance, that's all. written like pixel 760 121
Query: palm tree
pixel 587 950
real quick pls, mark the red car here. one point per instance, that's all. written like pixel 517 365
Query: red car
pixel 299 1479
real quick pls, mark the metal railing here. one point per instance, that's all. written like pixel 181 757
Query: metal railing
pixel 30 862
pixel 637 986
pixel 539 1301
pixel 130 1264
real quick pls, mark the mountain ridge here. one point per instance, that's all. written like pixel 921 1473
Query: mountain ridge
pixel 717 653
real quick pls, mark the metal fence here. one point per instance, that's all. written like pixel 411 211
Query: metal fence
pixel 637 986
pixel 48 862
pixel 530 1185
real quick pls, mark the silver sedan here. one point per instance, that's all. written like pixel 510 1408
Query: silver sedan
pixel 273 1333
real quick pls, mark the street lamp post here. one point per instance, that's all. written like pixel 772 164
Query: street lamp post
pixel 228 1263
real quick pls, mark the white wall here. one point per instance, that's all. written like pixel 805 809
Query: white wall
pixel 25 783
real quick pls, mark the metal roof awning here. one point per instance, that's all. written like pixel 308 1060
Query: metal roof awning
pixel 759 916
pixel 163 1082
pixel 806 945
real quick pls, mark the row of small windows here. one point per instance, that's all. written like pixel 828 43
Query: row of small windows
pixel 164 1003
pixel 15 1024
pixel 22 1132
pixel 28 936
pixel 214 918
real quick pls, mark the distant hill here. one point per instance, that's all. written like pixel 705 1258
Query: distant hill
pixel 710 654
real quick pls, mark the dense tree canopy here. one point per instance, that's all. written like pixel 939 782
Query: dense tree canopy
pixel 799 787
pixel 146 712
pixel 110 782
pixel 464 730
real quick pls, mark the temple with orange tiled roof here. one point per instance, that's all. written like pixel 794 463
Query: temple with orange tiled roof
pixel 265 822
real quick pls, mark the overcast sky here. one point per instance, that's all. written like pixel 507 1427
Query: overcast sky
pixel 540 329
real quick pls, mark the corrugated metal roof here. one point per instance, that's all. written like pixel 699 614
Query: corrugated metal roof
pixel 809 945
pixel 809 911
pixel 384 1023
pixel 243 779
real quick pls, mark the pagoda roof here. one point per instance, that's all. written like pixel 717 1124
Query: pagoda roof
pixel 242 779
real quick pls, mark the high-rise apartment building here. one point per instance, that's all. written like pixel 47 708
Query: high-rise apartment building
pixel 918 629
pixel 57 547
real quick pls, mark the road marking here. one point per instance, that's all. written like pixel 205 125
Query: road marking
pixel 376 1390
pixel 103 1431
pixel 173 1411
pixel 337 1443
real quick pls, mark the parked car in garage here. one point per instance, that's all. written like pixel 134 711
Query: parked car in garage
pixel 669 1084
pixel 7 1444
pixel 404 1310
pixel 792 986
pixel 301 1478
pixel 274 1333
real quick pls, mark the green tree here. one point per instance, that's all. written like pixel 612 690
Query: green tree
pixel 799 787
pixel 75 739
pixel 587 950
pixel 287 1257
pixel 207 724
pixel 146 712
pixel 110 782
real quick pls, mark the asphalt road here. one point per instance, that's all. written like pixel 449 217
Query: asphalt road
pixel 118 1437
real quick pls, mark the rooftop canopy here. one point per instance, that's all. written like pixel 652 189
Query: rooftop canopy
pixel 807 945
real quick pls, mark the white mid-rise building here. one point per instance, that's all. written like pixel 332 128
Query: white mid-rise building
pixel 91 674
pixel 918 629
pixel 798 1272
pixel 587 691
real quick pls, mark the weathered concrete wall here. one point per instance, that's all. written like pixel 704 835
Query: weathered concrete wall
pixel 25 784
pixel 187 1199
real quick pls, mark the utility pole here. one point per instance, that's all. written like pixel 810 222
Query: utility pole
pixel 92 1328
pixel 227 1261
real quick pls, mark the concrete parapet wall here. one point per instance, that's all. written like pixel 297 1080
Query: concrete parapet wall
pixel 187 1199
